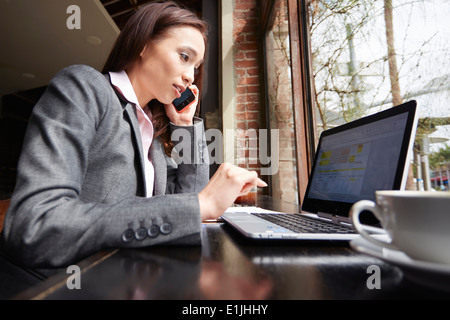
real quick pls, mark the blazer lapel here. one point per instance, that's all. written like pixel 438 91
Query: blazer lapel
pixel 156 151
pixel 130 111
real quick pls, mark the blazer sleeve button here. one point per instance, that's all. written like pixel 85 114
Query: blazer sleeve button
pixel 128 235
pixel 166 228
pixel 140 234
pixel 153 231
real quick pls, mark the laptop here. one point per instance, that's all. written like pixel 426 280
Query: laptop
pixel 351 162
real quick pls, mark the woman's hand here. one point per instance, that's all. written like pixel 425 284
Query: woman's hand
pixel 228 183
pixel 183 118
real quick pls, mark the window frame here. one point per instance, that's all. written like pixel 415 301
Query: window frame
pixel 302 84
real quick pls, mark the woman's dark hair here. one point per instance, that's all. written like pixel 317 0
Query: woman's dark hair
pixel 148 23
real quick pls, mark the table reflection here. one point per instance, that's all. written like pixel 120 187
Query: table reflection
pixel 230 267
pixel 164 273
pixel 216 283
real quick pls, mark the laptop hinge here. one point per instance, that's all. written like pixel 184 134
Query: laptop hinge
pixel 333 218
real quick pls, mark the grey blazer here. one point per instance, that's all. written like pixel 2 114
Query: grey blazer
pixel 80 183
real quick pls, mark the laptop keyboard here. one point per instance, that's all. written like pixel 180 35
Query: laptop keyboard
pixel 304 224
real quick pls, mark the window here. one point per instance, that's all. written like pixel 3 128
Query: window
pixel 370 55
pixel 289 106
pixel 279 100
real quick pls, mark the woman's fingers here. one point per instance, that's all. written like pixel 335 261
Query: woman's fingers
pixel 194 90
pixel 249 186
pixel 185 117
pixel 225 186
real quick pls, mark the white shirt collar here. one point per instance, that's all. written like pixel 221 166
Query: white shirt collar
pixel 121 81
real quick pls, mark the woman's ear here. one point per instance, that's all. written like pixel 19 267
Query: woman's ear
pixel 143 51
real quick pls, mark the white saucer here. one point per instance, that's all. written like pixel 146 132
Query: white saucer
pixel 426 273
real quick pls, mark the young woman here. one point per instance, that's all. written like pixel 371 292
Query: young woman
pixel 98 168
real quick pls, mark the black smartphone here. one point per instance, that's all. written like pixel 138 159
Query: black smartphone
pixel 186 99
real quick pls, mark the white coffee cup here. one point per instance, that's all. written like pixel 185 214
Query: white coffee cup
pixel 418 222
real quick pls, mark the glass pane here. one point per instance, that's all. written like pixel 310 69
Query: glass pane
pixel 369 55
pixel 279 90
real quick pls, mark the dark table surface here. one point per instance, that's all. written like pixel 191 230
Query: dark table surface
pixel 229 267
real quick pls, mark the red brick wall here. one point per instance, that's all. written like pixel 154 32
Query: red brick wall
pixel 249 86
pixel 247 81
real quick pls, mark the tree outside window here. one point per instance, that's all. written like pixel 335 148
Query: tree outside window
pixel 370 55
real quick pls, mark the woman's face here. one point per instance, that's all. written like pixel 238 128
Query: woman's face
pixel 167 65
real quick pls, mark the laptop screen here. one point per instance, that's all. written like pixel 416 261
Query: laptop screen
pixel 354 160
